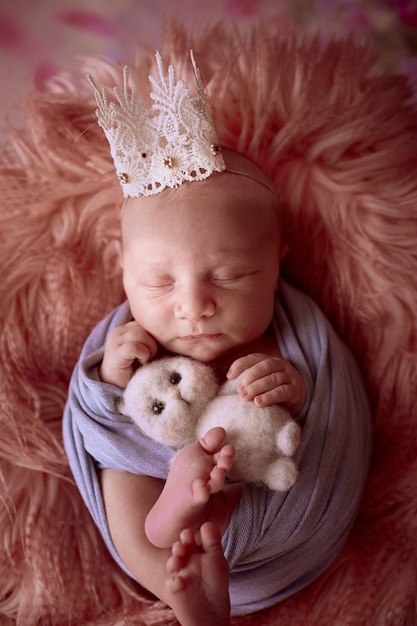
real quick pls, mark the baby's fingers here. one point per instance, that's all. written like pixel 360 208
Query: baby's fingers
pixel 244 363
pixel 276 384
pixel 138 343
pixel 278 395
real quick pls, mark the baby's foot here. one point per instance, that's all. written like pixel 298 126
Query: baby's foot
pixel 198 471
pixel 197 586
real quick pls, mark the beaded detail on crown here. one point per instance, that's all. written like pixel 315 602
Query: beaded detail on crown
pixel 165 145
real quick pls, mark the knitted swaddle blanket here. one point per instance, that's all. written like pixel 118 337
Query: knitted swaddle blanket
pixel 276 543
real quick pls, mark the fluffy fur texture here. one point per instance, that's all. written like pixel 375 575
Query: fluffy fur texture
pixel 339 140
pixel 176 400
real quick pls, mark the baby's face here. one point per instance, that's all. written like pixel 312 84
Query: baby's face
pixel 200 265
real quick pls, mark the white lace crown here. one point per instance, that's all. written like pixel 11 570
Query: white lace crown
pixel 165 145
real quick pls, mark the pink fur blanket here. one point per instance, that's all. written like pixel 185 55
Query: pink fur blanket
pixel 339 141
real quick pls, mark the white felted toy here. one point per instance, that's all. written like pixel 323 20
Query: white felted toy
pixel 176 400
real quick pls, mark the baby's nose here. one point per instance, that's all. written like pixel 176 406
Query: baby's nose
pixel 194 302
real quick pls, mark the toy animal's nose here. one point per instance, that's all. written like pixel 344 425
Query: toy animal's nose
pixel 176 394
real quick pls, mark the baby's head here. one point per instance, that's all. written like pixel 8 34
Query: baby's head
pixel 200 228
pixel 201 262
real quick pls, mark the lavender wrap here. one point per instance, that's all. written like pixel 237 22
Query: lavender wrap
pixel 276 543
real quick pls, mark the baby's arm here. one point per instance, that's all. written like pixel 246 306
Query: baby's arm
pixel 269 380
pixel 125 345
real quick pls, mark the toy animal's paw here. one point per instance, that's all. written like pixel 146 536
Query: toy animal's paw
pixel 288 438
pixel 281 475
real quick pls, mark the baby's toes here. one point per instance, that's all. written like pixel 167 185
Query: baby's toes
pixel 216 482
pixel 224 459
pixel 200 491
pixel 213 440
pixel 174 564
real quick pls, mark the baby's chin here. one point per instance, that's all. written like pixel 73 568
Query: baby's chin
pixel 218 357
pixel 206 349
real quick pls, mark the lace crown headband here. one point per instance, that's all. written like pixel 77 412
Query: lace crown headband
pixel 163 146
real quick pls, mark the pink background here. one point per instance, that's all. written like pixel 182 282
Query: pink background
pixel 39 37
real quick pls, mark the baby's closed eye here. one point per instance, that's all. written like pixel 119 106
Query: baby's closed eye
pixel 232 276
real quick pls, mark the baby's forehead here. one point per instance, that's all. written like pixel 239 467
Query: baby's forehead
pixel 242 192
pixel 244 184
pixel 220 195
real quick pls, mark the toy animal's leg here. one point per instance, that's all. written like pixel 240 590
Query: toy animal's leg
pixel 281 475
pixel 288 438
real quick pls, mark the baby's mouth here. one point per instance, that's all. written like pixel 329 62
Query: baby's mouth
pixel 199 337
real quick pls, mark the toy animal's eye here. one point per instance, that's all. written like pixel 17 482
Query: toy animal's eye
pixel 175 378
pixel 158 407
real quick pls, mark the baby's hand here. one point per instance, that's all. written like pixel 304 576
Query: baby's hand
pixel 269 380
pixel 125 345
